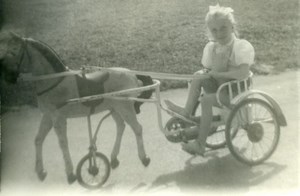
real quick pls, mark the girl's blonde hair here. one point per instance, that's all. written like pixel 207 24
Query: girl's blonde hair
pixel 221 12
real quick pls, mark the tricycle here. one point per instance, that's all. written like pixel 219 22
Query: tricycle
pixel 249 126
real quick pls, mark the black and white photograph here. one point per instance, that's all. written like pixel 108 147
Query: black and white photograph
pixel 153 97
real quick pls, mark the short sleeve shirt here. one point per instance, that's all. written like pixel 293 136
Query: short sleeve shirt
pixel 242 53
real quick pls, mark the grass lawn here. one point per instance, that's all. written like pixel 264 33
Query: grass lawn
pixel 153 35
pixel 156 35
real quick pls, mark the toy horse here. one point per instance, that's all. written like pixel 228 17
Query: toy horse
pixel 31 56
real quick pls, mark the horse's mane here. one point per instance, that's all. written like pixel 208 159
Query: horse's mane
pixel 50 55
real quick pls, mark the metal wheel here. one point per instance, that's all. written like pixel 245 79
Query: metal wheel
pixel 252 131
pixel 216 137
pixel 93 171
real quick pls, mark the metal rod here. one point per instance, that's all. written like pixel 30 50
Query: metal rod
pixel 245 85
pixel 230 91
pixel 109 95
pixel 90 129
pixel 158 107
pixel 134 99
pixel 98 127
pixel 239 87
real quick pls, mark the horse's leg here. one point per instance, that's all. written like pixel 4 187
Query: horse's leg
pixel 45 126
pixel 127 112
pixel 120 130
pixel 60 128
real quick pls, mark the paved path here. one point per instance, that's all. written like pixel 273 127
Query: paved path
pixel 171 170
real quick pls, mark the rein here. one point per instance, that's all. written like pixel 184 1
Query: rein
pixel 61 75
pixel 155 75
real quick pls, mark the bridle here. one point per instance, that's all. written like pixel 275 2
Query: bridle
pixel 17 55
pixel 24 51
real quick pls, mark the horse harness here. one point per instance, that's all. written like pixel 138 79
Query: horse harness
pixel 88 84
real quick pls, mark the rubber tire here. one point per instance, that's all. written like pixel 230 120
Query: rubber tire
pixel 229 136
pixel 79 168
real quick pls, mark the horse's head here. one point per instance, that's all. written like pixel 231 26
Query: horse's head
pixel 11 52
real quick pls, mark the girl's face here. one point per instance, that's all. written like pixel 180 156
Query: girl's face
pixel 221 29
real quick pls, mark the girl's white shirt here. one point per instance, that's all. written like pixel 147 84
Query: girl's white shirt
pixel 242 52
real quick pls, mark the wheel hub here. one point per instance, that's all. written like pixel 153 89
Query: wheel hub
pixel 93 170
pixel 255 132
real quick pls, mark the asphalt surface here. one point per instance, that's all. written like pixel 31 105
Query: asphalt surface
pixel 171 170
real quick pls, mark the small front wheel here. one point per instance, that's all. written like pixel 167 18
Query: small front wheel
pixel 93 170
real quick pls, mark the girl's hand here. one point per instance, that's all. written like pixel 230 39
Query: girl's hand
pixel 213 74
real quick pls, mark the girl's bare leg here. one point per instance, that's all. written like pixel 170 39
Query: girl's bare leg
pixel 207 103
pixel 198 146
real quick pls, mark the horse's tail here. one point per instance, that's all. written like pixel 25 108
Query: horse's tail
pixel 147 80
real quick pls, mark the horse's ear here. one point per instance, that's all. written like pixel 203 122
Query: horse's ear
pixel 15 36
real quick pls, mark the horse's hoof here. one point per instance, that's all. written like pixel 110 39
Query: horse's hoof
pixel 146 161
pixel 114 163
pixel 42 175
pixel 71 178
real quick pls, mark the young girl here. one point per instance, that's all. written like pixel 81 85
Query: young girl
pixel 227 58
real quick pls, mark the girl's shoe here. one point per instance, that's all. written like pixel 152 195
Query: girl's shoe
pixel 194 148
pixel 175 108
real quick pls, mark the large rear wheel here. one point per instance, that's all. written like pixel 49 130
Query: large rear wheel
pixel 252 131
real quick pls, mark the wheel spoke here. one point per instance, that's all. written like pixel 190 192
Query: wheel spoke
pixel 252 151
pixel 261 146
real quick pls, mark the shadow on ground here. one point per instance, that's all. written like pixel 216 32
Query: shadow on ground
pixel 218 174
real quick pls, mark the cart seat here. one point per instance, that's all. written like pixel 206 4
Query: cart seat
pixel 89 84
pixel 235 88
